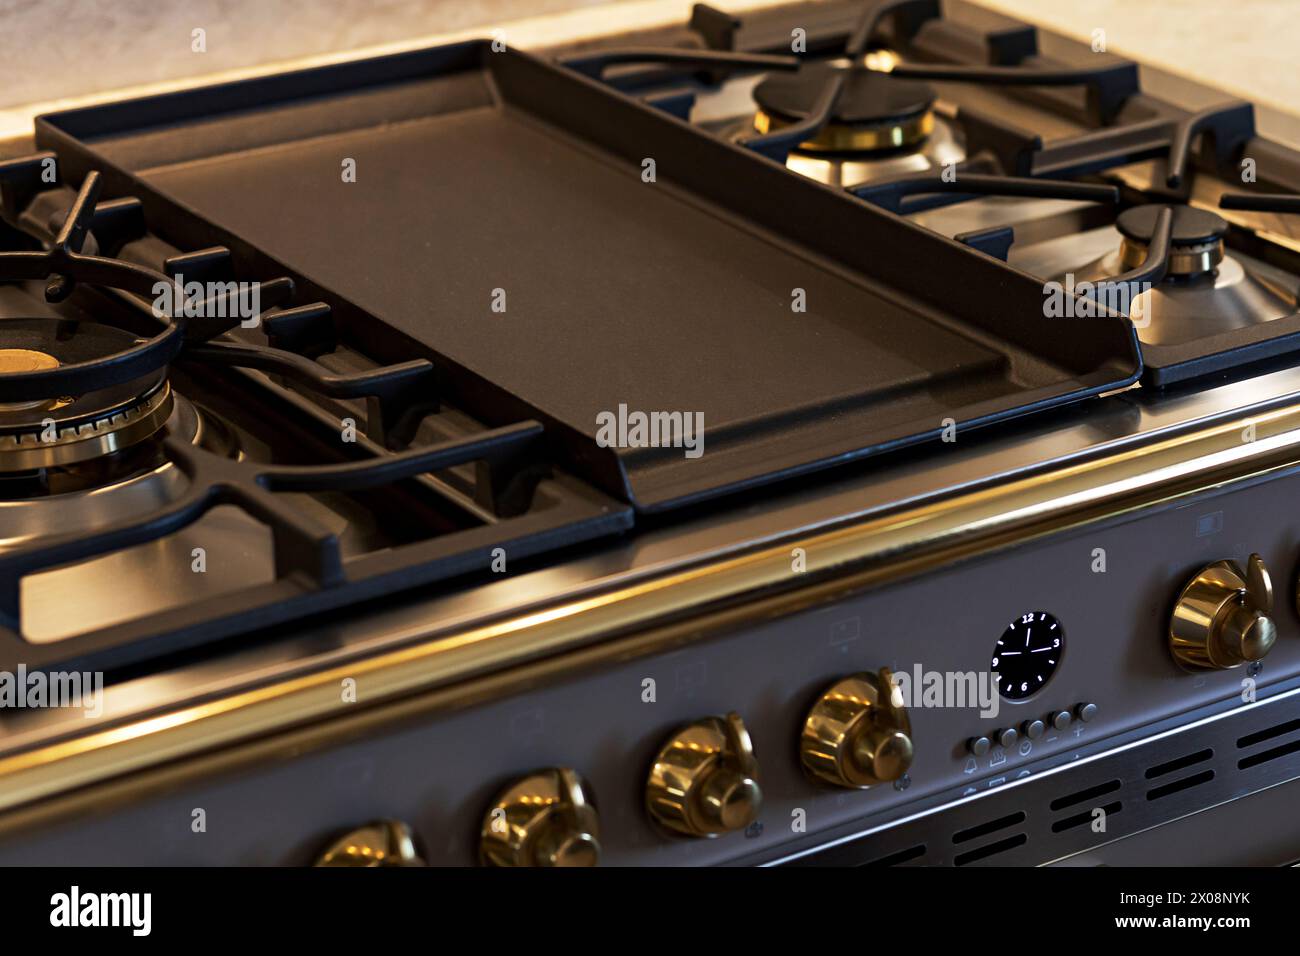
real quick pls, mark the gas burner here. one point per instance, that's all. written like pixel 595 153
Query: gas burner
pixel 56 431
pixel 882 126
pixel 1205 290
pixel 875 112
pixel 59 499
pixel 1195 243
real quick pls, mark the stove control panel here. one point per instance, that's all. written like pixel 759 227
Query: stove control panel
pixel 858 710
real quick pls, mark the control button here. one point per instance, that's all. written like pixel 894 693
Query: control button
pixel 1062 719
pixel 544 819
pixel 1007 737
pixel 979 746
pixel 382 843
pixel 704 780
pixel 1221 619
pixel 1085 712
pixel 857 734
pixel 1033 729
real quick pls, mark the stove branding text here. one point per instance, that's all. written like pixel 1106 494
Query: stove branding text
pixel 635 429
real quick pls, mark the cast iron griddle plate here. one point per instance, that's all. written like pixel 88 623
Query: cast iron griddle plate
pixel 491 171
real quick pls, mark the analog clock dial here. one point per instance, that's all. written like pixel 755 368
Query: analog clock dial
pixel 1027 654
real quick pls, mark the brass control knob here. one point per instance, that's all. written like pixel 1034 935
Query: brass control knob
pixel 705 779
pixel 382 843
pixel 544 819
pixel 857 734
pixel 1222 618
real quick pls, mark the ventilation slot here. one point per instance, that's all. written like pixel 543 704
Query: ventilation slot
pixel 1182 763
pixel 1082 796
pixel 1178 786
pixel 984 829
pixel 1254 760
pixel 899 858
pixel 984 852
pixel 1260 736
pixel 1079 819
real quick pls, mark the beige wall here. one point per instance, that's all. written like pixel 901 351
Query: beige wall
pixel 61 54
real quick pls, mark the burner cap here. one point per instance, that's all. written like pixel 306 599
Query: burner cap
pixel 55 431
pixel 878 110
pixel 25 360
pixel 1192 227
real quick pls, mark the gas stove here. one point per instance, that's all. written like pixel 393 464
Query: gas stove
pixel 845 433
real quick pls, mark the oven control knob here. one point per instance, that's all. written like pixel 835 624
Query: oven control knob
pixel 857 734
pixel 544 819
pixel 382 843
pixel 704 780
pixel 1222 617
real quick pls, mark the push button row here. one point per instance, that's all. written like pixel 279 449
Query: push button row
pixel 1032 729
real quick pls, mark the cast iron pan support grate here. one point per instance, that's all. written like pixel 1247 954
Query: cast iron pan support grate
pixel 302 546
pixel 1261 202
pixel 399 395
pixel 997 241
pixel 63 265
pixel 1109 85
pixel 1227 128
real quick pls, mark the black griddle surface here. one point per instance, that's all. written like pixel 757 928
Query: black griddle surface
pixel 616 290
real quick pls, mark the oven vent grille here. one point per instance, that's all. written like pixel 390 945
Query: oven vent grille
pixel 991 849
pixel 1178 786
pixel 983 830
pixel 899 858
pixel 1082 796
pixel 1080 819
pixel 1165 768
pixel 1273 753
pixel 992 826
pixel 1273 732
pixel 1181 763
pixel 1254 760
pixel 1268 733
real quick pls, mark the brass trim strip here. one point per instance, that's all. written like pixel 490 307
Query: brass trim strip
pixel 678 607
